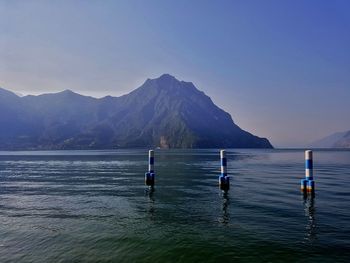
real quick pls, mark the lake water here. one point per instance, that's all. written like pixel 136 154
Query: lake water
pixel 93 206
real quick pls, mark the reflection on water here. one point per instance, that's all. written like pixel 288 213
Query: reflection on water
pixel 149 191
pixel 310 212
pixel 225 216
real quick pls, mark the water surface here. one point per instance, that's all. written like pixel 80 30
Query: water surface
pixel 92 206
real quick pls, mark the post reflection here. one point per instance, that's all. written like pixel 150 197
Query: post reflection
pixel 149 192
pixel 310 211
pixel 225 218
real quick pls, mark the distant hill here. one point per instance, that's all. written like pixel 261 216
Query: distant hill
pixel 335 140
pixel 163 112
pixel 343 142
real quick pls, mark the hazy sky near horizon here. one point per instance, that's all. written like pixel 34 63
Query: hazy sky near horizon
pixel 280 68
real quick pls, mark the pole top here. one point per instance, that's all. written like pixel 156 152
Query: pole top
pixel 308 154
pixel 222 153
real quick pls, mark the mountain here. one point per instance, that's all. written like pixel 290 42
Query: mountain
pixel 344 141
pixel 335 140
pixel 163 112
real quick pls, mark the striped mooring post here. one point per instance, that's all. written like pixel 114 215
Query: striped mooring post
pixel 149 176
pixel 307 185
pixel 224 180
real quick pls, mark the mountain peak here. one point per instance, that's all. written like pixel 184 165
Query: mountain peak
pixel 166 76
pixel 68 92
pixel 165 80
pixel 170 83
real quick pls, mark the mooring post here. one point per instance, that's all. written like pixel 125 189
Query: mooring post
pixel 149 176
pixel 307 185
pixel 224 180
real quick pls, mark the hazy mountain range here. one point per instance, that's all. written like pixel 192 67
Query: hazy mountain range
pixel 163 112
pixel 335 140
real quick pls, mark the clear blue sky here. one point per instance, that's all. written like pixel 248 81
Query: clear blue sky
pixel 281 68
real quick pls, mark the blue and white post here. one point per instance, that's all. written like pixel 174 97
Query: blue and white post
pixel 307 185
pixel 224 180
pixel 149 176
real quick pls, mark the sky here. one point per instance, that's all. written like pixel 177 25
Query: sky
pixel 280 68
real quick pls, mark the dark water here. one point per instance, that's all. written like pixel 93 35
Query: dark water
pixel 92 206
